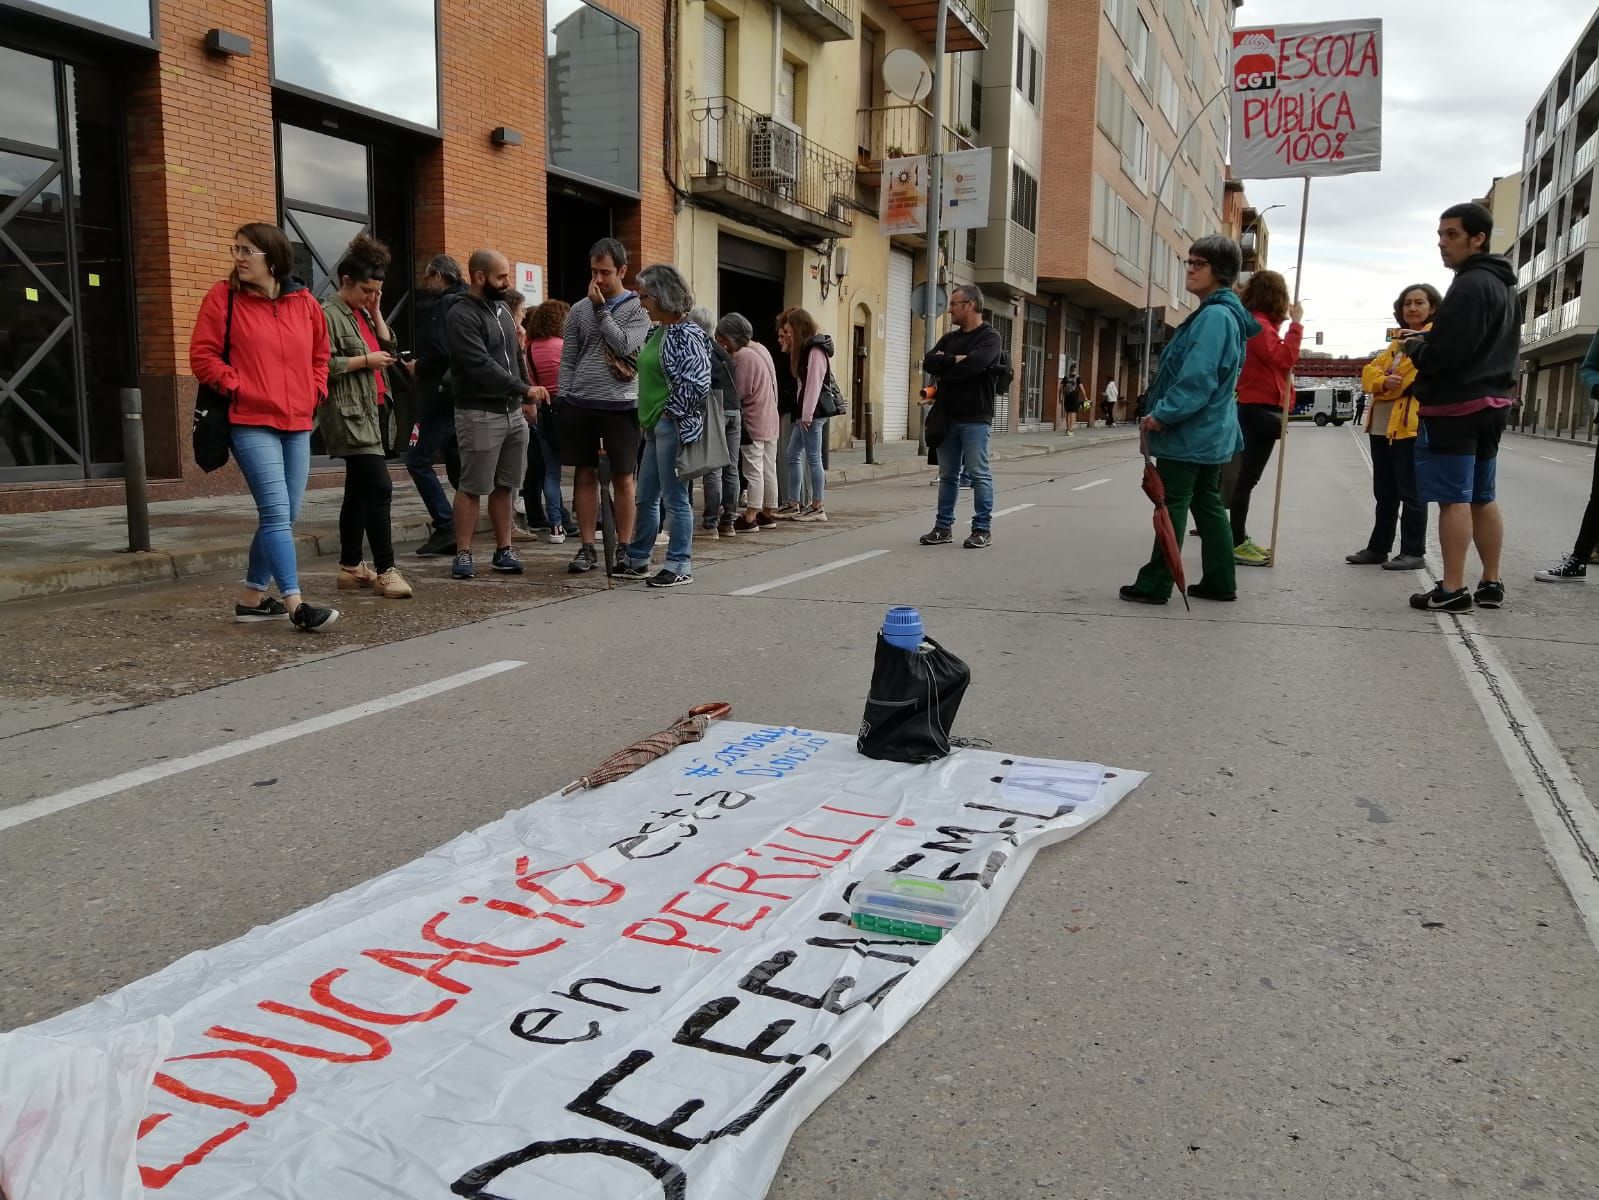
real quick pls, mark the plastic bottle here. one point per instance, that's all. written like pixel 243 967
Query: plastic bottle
pixel 902 628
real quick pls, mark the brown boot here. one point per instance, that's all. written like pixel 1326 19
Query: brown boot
pixel 358 576
pixel 391 585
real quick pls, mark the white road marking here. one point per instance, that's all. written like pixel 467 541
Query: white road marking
pixel 1015 508
pixel 1546 458
pixel 799 575
pixel 45 806
pixel 1095 483
pixel 1561 810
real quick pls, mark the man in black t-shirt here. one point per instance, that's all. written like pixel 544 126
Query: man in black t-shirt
pixel 962 365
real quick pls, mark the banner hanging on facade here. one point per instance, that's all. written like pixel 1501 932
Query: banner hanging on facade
pixel 967 177
pixel 1307 99
pixel 636 991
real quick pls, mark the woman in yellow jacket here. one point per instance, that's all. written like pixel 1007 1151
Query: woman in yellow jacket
pixel 1391 421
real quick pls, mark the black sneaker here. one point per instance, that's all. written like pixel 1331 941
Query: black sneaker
pixel 667 579
pixel 462 567
pixel 1438 600
pixel 620 564
pixel 1199 592
pixel 978 539
pixel 441 542
pixel 1490 593
pixel 623 571
pixel 312 619
pixel 270 609
pixel 938 536
pixel 1568 570
pixel 1133 596
pixel 585 560
pixel 506 562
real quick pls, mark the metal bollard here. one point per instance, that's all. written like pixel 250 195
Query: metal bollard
pixel 133 472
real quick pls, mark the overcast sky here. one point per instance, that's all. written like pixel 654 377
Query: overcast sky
pixel 1459 80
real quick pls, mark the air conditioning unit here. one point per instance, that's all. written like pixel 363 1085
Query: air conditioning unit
pixel 774 154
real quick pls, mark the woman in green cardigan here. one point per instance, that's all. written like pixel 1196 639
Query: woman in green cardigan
pixel 362 348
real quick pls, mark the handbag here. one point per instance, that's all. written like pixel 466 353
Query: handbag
pixel 934 427
pixel 831 402
pixel 210 430
pixel 549 411
pixel 710 453
pixel 623 366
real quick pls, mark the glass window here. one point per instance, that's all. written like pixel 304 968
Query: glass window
pixel 381 55
pixel 319 242
pixel 319 169
pixel 28 98
pixel 591 88
pixel 131 16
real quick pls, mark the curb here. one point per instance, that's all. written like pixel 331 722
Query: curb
pixel 124 568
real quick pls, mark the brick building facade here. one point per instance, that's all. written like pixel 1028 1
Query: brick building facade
pixel 131 150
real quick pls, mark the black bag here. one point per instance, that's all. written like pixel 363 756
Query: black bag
pixel 831 402
pixel 210 432
pixel 934 427
pixel 912 704
pixel 1003 373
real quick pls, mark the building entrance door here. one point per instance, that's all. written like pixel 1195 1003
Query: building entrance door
pixel 66 314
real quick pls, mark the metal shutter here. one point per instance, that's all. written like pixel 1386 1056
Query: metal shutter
pixel 713 82
pixel 897 349
pixel 785 95
pixel 1005 326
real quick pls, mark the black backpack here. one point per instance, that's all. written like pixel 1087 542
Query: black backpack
pixel 1002 373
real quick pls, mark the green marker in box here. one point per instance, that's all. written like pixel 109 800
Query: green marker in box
pixel 909 906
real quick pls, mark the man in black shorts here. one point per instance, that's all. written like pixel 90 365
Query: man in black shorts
pixel 1465 370
pixel 599 395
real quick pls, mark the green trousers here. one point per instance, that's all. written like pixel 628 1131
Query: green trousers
pixel 1195 487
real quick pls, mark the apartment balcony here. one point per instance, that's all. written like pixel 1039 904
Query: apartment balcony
pixel 1562 114
pixel 1585 85
pixel 762 167
pixel 1545 198
pixel 1524 274
pixel 1585 156
pixel 967 28
pixel 825 20
pixel 1541 264
pixel 897 131
pixel 1568 313
pixel 1542 144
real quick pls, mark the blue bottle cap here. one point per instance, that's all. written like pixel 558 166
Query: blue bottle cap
pixel 902 627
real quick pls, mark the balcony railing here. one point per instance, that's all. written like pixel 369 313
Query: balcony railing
pixel 1524 274
pixel 899 131
pixel 1569 312
pixel 1585 85
pixel 1545 196
pixel 1577 239
pixel 1562 114
pixel 826 20
pixel 1542 143
pixel 759 165
pixel 967 28
pixel 1541 264
pixel 1540 326
pixel 1585 155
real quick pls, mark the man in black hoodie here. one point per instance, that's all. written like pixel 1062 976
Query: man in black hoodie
pixel 1465 370
pixel 962 365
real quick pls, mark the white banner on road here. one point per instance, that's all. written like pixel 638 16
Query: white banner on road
pixel 1307 99
pixel 638 991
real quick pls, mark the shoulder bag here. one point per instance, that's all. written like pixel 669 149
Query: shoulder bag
pixel 210 431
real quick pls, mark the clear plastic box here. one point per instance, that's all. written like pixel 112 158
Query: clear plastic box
pixel 910 906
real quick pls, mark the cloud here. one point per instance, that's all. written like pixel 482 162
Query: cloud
pixel 1458 84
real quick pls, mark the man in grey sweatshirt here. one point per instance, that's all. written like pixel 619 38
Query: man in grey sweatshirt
pixel 599 395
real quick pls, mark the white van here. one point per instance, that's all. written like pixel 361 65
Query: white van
pixel 1324 405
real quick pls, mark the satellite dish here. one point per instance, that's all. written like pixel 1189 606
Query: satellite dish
pixel 907 76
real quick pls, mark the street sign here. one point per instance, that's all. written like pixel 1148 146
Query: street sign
pixel 919 301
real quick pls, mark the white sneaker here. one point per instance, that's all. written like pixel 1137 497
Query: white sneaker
pixel 557 535
pixel 663 538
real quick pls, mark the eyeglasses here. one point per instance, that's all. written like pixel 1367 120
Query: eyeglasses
pixel 1196 264
pixel 247 252
pixel 961 304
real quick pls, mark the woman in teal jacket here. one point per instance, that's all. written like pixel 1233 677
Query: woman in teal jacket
pixel 1192 421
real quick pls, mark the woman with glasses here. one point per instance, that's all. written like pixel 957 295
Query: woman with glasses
pixel 261 340
pixel 674 379
pixel 1192 424
pixel 361 349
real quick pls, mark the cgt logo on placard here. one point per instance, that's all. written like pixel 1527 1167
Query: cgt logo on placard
pixel 1255 60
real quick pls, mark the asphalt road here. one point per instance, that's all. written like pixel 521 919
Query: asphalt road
pixel 1325 951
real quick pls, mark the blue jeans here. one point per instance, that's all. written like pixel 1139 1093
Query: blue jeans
pixel 806 445
pixel 657 483
pixel 275 465
pixel 721 487
pixel 435 432
pixel 965 446
pixel 554 510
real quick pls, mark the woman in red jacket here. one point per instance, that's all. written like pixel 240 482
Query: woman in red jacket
pixel 275 373
pixel 1264 389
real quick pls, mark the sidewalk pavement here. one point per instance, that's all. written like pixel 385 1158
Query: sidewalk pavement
pixel 79 550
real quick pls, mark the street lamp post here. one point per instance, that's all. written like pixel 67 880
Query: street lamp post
pixel 1154 219
pixel 1243 233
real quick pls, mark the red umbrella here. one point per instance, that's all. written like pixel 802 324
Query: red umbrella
pixel 690 727
pixel 1165 536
